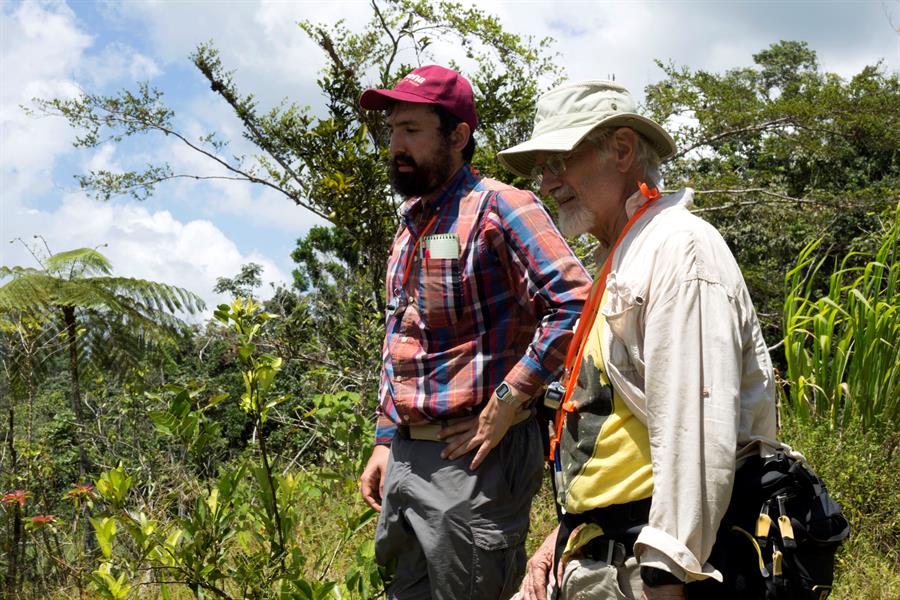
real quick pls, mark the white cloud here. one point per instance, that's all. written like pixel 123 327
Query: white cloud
pixel 140 243
pixel 46 53
pixel 596 39
pixel 260 41
pixel 40 41
pixel 103 159
pixel 115 62
pixel 40 48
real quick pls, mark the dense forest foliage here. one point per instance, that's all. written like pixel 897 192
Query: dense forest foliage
pixel 146 457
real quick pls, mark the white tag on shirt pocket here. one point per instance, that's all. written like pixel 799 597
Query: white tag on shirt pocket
pixel 442 245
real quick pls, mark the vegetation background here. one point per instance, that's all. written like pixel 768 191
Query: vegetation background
pixel 145 456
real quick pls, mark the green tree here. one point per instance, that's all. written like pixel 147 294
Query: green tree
pixel 781 153
pixel 98 313
pixel 332 165
pixel 242 284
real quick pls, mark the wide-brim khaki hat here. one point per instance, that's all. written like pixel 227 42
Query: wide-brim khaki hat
pixel 567 114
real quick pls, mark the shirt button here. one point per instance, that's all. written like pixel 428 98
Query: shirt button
pixel 398 378
pixel 406 417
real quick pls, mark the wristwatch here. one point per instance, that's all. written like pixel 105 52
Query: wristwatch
pixel 653 577
pixel 504 394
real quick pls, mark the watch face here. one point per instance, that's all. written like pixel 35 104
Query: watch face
pixel 502 390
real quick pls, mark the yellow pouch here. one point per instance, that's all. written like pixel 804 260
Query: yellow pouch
pixel 581 535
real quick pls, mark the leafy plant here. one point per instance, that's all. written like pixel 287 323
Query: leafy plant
pixel 239 537
pixel 79 284
pixel 843 348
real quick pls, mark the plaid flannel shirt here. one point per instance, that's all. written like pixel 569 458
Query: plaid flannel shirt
pixel 504 309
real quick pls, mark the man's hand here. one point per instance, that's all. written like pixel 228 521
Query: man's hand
pixel 664 592
pixel 534 586
pixel 483 432
pixel 371 482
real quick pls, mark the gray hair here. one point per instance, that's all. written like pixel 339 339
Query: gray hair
pixel 646 156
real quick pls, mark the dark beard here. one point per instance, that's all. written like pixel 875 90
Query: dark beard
pixel 425 177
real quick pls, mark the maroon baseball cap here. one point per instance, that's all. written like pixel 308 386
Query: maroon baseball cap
pixel 430 84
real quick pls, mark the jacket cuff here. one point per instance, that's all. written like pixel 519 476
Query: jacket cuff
pixel 656 548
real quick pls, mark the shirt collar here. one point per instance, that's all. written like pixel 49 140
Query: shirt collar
pixel 683 197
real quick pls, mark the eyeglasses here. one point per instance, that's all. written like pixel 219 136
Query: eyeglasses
pixel 555 163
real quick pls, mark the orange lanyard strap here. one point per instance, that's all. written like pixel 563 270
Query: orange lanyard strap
pixel 412 255
pixel 586 323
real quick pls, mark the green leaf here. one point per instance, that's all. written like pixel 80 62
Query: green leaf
pixel 114 486
pixel 105 531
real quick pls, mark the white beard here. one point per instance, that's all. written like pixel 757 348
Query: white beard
pixel 575 219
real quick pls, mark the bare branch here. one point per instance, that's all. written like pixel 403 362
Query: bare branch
pixel 775 346
pixel 395 41
pixel 776 197
pixel 758 127
pixel 30 250
pixel 248 176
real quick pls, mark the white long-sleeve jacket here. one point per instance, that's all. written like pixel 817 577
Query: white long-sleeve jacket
pixel 684 350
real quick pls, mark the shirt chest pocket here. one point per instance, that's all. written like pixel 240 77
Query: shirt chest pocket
pixel 440 292
pixel 623 312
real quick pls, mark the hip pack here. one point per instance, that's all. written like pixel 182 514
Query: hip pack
pixel 779 536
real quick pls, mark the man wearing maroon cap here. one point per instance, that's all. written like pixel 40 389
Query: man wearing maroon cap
pixel 482 296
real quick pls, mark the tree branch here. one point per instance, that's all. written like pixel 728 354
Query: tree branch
pixel 244 175
pixel 395 42
pixel 724 134
pixel 250 177
pixel 207 61
pixel 776 197
pixel 775 346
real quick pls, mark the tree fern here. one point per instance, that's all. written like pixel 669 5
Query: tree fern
pixel 100 317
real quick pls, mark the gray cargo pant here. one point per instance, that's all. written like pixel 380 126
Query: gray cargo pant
pixel 458 534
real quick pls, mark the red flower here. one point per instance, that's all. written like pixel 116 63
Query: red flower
pixel 43 519
pixel 16 496
pixel 79 491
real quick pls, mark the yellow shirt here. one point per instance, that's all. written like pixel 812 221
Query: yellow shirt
pixel 604 450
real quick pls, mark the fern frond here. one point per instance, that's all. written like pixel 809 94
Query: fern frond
pixel 119 318
pixel 78 263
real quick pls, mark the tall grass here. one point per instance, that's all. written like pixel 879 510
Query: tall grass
pixel 843 348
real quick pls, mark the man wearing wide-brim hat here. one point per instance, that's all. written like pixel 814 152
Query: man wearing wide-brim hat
pixel 668 376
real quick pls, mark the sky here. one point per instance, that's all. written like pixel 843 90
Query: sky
pixel 190 233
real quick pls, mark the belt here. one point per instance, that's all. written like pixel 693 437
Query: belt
pixel 429 431
pixel 621 524
pixel 608 550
